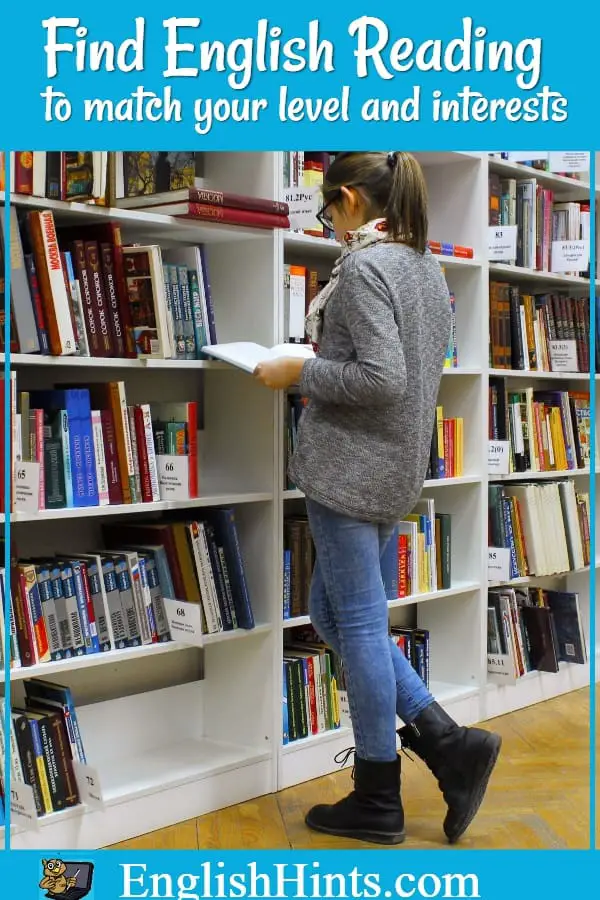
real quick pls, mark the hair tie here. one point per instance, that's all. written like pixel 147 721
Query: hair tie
pixel 392 160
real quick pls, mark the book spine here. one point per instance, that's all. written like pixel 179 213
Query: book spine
pixel 57 312
pixel 115 492
pixel 100 458
pixel 92 258
pixel 36 297
pixel 110 281
pixel 235 216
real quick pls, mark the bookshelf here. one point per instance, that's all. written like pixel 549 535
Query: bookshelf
pixel 173 730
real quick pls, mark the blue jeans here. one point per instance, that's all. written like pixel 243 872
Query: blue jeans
pixel 348 608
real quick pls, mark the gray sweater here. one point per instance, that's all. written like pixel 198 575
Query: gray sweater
pixel 364 439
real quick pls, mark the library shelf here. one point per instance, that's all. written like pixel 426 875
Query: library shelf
pixel 535 375
pixel 176 731
pixel 499 271
pixel 115 657
pixel 120 509
pixel 562 186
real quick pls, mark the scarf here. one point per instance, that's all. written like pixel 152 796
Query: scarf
pixel 370 233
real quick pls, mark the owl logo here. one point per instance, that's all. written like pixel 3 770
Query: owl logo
pixel 66 880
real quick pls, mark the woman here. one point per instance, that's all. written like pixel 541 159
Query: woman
pixel 381 327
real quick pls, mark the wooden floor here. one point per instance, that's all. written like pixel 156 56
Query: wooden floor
pixel 538 797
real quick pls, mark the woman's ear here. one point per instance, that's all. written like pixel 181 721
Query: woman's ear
pixel 350 200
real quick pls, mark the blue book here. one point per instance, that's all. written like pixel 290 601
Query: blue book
pixel 389 567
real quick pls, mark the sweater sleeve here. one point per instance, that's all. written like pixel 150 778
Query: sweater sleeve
pixel 378 374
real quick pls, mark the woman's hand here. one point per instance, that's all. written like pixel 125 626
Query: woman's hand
pixel 279 374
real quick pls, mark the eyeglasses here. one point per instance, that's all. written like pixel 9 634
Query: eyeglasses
pixel 326 220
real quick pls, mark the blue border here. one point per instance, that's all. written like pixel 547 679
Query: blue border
pixel 7 501
pixel 592 351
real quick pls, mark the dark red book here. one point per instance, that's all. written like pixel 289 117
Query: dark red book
pixel 225 215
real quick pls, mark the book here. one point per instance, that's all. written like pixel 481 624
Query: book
pixel 247 355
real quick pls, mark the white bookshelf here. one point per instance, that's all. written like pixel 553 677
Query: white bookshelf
pixel 177 731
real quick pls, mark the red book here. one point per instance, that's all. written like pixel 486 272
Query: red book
pixel 225 215
pixel 115 492
pixel 140 433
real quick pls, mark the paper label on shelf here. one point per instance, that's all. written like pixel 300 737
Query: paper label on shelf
pixel 498 457
pixel 22 806
pixel 570 256
pixel 563 356
pixel 569 161
pixel 501 668
pixel 88 782
pixel 498 564
pixel 185 621
pixel 173 477
pixel 345 720
pixel 27 487
pixel 502 242
pixel 304 206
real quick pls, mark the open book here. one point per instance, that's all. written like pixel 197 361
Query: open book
pixel 246 355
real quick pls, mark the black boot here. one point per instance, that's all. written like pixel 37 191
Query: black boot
pixel 372 812
pixel 462 760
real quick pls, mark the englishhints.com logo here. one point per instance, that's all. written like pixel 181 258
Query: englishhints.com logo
pixel 66 880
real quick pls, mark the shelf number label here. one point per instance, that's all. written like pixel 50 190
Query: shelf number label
pixel 185 621
pixel 173 477
pixel 502 243
pixel 498 457
pixel 498 564
pixel 27 487
pixel 563 356
pixel 569 161
pixel 303 204
pixel 90 788
pixel 22 806
pixel 570 256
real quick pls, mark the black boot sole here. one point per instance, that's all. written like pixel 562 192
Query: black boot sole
pixel 483 774
pixel 370 837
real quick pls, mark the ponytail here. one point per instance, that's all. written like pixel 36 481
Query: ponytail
pixel 392 186
pixel 406 209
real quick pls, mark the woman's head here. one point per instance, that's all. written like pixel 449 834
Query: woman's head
pixel 359 187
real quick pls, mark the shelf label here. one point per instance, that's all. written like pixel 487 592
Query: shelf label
pixel 22 806
pixel 173 477
pixel 345 720
pixel 185 621
pixel 502 242
pixel 498 457
pixel 563 356
pixel 570 256
pixel 27 487
pixel 304 206
pixel 498 564
pixel 501 668
pixel 569 161
pixel 88 782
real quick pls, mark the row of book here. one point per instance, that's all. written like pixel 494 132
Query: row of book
pixel 446 458
pixel 95 449
pixel 80 291
pixel 417 559
pixel 545 526
pixel 532 629
pixel 524 329
pixel 568 164
pixel 548 431
pixel 314 683
pixel 539 218
pixel 45 744
pixel 73 603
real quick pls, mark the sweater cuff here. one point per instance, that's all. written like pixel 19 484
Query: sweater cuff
pixel 306 378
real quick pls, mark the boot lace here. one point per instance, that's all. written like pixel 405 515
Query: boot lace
pixel 342 758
